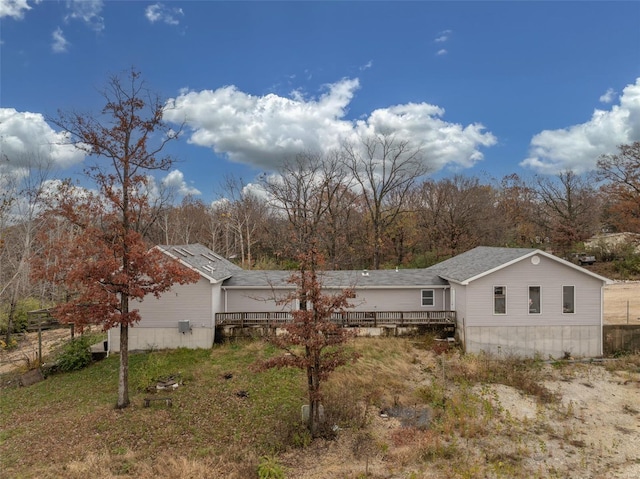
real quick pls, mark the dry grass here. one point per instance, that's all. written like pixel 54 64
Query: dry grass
pixel 486 418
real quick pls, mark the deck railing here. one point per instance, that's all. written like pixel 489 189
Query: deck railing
pixel 347 318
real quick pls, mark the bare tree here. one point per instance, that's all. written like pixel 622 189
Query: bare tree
pixel 518 212
pixel 241 214
pixel 304 192
pixel 570 209
pixel 382 165
pixel 21 197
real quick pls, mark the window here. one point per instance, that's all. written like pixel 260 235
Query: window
pixel 427 297
pixel 534 300
pixel 568 299
pixel 499 300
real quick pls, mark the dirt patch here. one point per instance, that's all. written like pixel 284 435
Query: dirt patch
pixel 622 303
pixel 26 353
pixel 592 433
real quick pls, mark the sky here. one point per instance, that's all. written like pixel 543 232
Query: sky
pixel 485 89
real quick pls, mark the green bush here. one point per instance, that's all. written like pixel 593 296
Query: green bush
pixel 269 468
pixel 20 319
pixel 76 354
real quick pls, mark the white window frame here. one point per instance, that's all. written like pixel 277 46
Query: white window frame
pixel 504 289
pixel 529 302
pixel 433 298
pixel 574 298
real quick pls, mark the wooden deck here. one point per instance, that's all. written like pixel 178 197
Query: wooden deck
pixel 347 319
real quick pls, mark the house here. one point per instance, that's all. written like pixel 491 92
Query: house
pixel 503 300
pixel 525 302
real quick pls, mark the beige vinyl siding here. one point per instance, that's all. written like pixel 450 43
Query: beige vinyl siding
pixel 548 274
pixel 191 302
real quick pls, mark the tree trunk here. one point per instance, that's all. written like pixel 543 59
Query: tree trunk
pixel 123 376
pixel 12 313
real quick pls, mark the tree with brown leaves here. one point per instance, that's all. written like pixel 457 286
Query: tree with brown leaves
pixel 313 342
pixel 103 260
pixel 621 173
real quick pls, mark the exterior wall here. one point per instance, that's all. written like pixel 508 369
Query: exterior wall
pixel 551 332
pixel 396 299
pixel 193 302
pixel 143 339
pixel 460 306
pixel 529 341
pixel 252 300
pixel 158 328
pixel 551 276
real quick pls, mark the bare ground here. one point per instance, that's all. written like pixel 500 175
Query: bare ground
pixel 593 433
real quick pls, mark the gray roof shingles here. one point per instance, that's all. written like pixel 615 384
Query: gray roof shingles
pixel 203 259
pixel 459 269
pixel 479 260
pixel 340 279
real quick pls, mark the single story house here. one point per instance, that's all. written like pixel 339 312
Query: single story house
pixel 504 300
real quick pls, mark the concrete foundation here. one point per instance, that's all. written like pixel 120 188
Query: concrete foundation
pixel 530 341
pixel 145 339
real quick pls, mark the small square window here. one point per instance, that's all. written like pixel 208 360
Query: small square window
pixel 428 297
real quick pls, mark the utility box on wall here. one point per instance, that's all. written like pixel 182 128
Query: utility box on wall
pixel 184 326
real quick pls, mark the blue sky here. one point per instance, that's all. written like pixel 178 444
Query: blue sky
pixel 485 88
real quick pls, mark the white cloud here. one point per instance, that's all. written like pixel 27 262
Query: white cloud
pixel 265 131
pixel 87 11
pixel 367 65
pixel 443 36
pixel 578 147
pixel 13 8
pixel 60 43
pixel 441 52
pixel 160 13
pixel 25 135
pixel 609 96
pixel 175 181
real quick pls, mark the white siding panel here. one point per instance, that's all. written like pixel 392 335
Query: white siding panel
pixel 409 299
pixel 548 274
pixel 256 300
pixel 191 302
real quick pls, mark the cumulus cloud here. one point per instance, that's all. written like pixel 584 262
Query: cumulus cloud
pixel 441 52
pixel 175 181
pixel 88 12
pixel 265 131
pixel 25 136
pixel 60 43
pixel 13 8
pixel 161 13
pixel 578 147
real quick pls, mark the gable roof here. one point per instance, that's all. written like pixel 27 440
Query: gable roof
pixel 484 260
pixel 200 258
